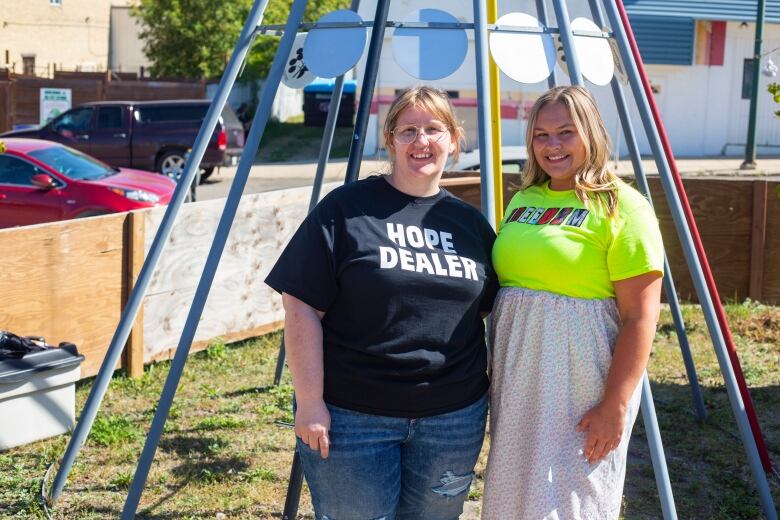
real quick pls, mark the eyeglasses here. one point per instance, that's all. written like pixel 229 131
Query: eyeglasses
pixel 408 134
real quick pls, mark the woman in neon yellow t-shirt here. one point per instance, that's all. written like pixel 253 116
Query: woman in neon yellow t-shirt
pixel 580 260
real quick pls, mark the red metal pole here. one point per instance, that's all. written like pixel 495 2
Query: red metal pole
pixel 719 312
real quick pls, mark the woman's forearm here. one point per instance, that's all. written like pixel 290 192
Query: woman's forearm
pixel 303 344
pixel 629 360
pixel 638 301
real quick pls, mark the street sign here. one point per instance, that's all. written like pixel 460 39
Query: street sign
pixel 54 101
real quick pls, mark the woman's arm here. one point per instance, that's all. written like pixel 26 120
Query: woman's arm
pixel 638 301
pixel 303 343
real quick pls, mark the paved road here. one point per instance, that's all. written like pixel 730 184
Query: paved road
pixel 275 176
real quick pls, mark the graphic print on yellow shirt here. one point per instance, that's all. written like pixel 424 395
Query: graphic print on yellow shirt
pixel 551 241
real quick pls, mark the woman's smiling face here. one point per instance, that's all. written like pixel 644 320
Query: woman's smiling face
pixel 557 145
pixel 423 159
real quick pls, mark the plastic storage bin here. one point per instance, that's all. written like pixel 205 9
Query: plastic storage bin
pixel 38 395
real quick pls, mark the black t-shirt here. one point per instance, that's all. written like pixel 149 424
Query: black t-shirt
pixel 402 281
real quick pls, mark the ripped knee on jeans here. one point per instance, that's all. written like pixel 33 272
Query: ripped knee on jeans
pixel 453 485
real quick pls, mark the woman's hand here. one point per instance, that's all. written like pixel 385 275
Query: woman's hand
pixel 312 423
pixel 603 425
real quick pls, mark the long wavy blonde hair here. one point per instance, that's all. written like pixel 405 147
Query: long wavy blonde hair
pixel 593 182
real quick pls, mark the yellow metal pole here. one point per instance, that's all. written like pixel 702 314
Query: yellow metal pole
pixel 495 120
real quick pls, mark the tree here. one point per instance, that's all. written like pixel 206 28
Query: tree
pixel 195 38
pixel 262 54
pixel 774 89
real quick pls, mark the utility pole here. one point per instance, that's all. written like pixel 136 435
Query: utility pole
pixel 750 148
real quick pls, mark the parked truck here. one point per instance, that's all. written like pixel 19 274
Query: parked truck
pixel 147 135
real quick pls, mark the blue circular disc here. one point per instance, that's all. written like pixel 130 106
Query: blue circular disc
pixel 330 52
pixel 428 53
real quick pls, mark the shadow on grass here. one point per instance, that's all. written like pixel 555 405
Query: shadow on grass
pixel 707 464
pixel 204 472
pixel 248 391
pixel 195 445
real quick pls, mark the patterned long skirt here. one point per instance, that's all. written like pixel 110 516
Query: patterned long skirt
pixel 550 359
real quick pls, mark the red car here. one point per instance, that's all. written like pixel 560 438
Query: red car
pixel 43 181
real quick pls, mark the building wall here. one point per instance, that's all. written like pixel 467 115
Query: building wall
pixel 73 34
pixel 126 49
pixel 701 105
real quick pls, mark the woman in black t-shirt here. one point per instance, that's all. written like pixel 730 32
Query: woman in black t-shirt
pixel 384 286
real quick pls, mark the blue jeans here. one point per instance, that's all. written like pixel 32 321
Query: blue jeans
pixel 387 468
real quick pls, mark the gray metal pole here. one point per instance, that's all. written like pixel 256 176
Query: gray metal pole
pixel 322 162
pixel 100 385
pixel 327 139
pixel 280 359
pixel 657 452
pixel 654 443
pixel 353 169
pixel 569 51
pixel 541 14
pixel 330 128
pixel 675 206
pixel 644 188
pixel 212 262
pixel 648 409
pixel 750 148
pixel 668 280
pixel 483 112
pixel 367 90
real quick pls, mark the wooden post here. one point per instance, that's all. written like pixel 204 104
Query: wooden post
pixel 134 350
pixel 758 240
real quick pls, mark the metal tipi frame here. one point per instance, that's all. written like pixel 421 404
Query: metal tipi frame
pixel 675 196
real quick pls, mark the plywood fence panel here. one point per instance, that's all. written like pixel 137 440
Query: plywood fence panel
pixel 723 212
pixel 65 281
pixel 771 278
pixel 239 305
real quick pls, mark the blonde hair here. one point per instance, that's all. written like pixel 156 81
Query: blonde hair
pixel 593 181
pixel 430 99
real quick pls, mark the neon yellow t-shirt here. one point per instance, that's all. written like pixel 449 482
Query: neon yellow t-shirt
pixel 550 241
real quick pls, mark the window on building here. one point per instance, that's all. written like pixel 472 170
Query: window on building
pixel 28 64
pixel 664 40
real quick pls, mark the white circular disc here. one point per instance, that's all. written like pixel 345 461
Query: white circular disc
pixel 296 74
pixel 594 54
pixel 527 58
pixel 332 52
pixel 429 53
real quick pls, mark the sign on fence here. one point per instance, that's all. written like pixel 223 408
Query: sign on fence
pixel 54 101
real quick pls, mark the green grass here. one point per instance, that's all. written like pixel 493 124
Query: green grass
pixel 114 430
pixel 292 141
pixel 223 450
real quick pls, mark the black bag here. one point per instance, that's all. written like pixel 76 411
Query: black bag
pixel 16 347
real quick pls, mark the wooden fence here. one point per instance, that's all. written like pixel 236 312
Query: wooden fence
pixel 69 281
pixel 20 95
